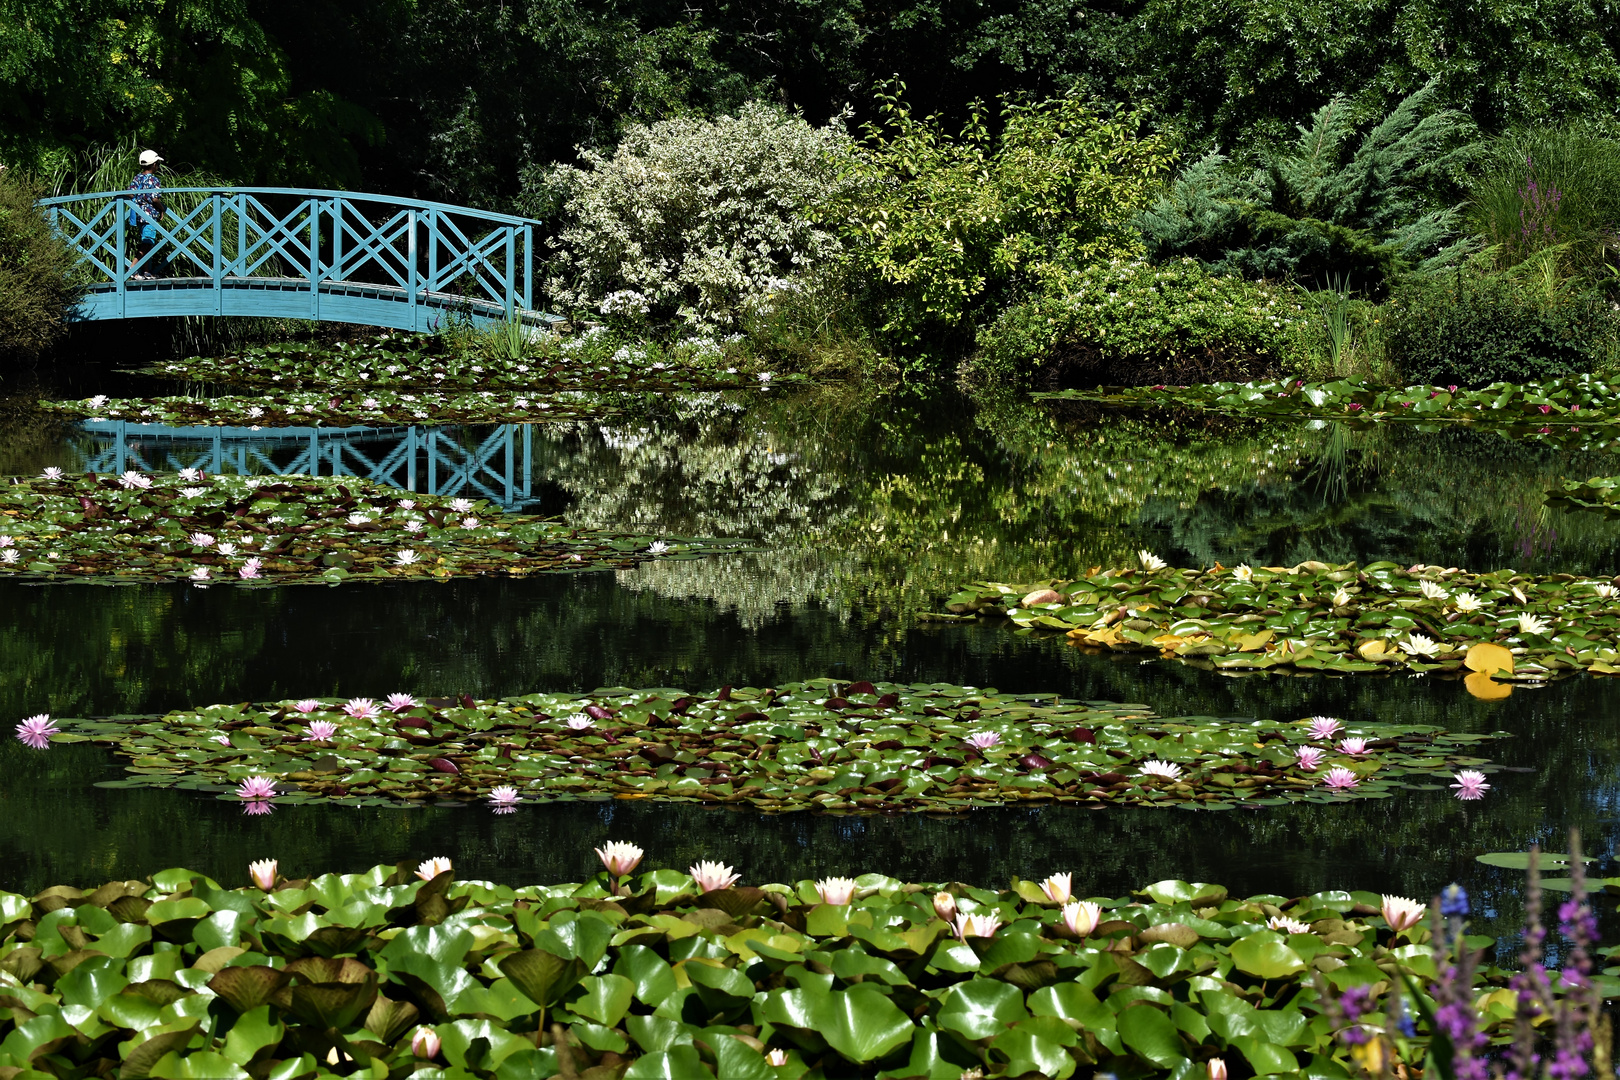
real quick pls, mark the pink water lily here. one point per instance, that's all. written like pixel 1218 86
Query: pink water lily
pixel 223 740
pixel 503 799
pixel 250 569
pixel 713 876
pixel 945 906
pixel 401 702
pixel 1402 913
pixel 1353 747
pixel 36 731
pixel 1308 757
pixel 982 740
pixel 263 873
pixel 432 868
pixel 619 857
pixel 580 722
pixel 257 807
pixel 1058 888
pixel 309 705
pixel 361 708
pixel 256 788
pixel 981 926
pixel 1216 1068
pixel 1081 917
pixel 1324 727
pixel 836 891
pixel 1470 784
pixel 425 1043
pixel 1340 778
pixel 321 731
pixel 776 1057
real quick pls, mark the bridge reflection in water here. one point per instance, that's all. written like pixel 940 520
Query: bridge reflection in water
pixel 493 462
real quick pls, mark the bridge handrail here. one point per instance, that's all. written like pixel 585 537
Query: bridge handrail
pixel 325 193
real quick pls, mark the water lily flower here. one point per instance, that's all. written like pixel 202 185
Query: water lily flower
pixel 1161 770
pixel 6 541
pixel 36 731
pixel 199 573
pixel 250 569
pixel 361 708
pixel 1607 591
pixel 1308 757
pixel 309 705
pixel 52 473
pixel 1466 602
pixel 10 555
pixel 967 926
pixel 400 702
pixel 358 519
pixel 1081 917
pixel 1287 925
pixel 190 475
pixel 619 857
pixel 1151 562
pixel 226 549
pixel 255 788
pixel 713 876
pixel 223 740
pixel 425 1043
pixel 406 504
pixel 133 480
pixel 503 799
pixel 1532 624
pixel 1432 591
pixel 97 402
pixel 657 547
pixel 1341 598
pixel 1353 747
pixel 1401 913
pixel 836 891
pixel 405 557
pixel 776 1057
pixel 1419 645
pixel 432 868
pixel 1243 572
pixel 1324 727
pixel 194 492
pixel 256 807
pixel 414 526
pixel 263 873
pixel 469 523
pixel 1216 1068
pixel 945 906
pixel 982 740
pixel 1470 784
pixel 1340 778
pixel 579 722
pixel 1058 888
pixel 461 506
pixel 369 403
pixel 321 731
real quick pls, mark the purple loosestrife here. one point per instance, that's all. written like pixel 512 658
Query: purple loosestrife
pixel 1454 1017
pixel 1577 1012
pixel 1530 985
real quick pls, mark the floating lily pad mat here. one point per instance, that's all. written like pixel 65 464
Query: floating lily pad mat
pixel 855 747
pixel 293 408
pixel 280 530
pixel 594 360
pixel 1317 616
pixel 1578 401
pixel 387 973
pixel 1600 494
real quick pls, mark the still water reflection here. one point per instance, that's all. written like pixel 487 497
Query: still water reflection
pixel 868 513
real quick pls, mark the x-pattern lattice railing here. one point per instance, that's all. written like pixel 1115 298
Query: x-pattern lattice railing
pixel 407 250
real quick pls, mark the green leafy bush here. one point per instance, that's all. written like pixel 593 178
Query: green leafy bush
pixel 947 228
pixel 693 218
pixel 1323 206
pixel 1550 191
pixel 1472 330
pixel 1128 322
pixel 37 281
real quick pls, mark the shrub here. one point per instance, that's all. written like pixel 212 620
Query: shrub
pixel 1129 322
pixel 1475 329
pixel 1318 208
pixel 37 279
pixel 1553 191
pixel 693 218
pixel 951 227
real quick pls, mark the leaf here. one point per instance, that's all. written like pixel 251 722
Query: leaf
pixel 980 1008
pixel 861 1023
pixel 676 1063
pixel 607 998
pixel 1486 658
pixel 542 976
pixel 248 987
pixel 1267 955
pixel 1479 684
pixel 1152 1035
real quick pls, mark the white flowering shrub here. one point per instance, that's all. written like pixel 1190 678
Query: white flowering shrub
pixel 697 219
pixel 1126 322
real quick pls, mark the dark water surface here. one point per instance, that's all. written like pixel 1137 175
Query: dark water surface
pixel 869 511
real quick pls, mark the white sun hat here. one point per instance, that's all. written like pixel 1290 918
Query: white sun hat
pixel 149 157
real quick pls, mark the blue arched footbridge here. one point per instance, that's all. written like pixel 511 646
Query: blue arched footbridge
pixel 288 253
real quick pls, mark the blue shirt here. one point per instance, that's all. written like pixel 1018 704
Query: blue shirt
pixel 149 185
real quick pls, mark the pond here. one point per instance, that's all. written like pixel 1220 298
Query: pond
pixel 868 511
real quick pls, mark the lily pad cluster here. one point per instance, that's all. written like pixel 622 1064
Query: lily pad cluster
pixel 1600 494
pixel 1581 400
pixel 278 530
pixel 594 359
pixel 818 745
pixel 402 970
pixel 1339 618
pixel 356 408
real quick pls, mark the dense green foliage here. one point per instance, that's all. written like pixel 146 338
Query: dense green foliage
pixel 36 273
pixel 1550 194
pixel 662 974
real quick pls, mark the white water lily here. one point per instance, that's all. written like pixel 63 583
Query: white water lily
pixel 1518 594
pixel 1419 645
pixel 1341 598
pixel 657 547
pixel 1466 602
pixel 190 475
pixel 1432 591
pixel 405 557
pixel 1607 591
pixel 359 519
pixel 226 549
pixel 1533 624
pixel 193 492
pixel 1151 562
pixel 1243 572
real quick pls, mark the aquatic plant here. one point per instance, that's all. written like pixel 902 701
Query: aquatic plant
pixel 317 408
pixel 36 731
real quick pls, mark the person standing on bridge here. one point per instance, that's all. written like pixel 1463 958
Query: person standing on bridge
pixel 147 212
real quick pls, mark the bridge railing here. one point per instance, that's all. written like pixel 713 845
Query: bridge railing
pixel 424 250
